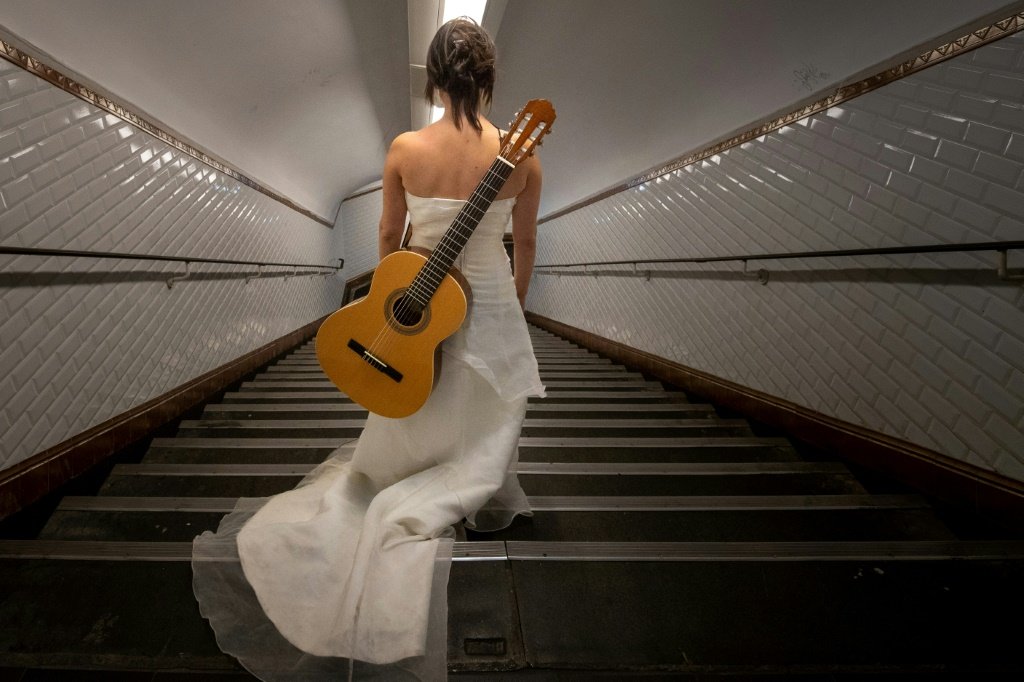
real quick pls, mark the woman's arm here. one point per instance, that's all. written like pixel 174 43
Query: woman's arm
pixel 392 217
pixel 524 229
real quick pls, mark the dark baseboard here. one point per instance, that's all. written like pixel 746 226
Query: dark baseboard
pixel 990 495
pixel 28 481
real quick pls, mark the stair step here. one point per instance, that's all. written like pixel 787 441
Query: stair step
pixel 558 371
pixel 283 428
pixel 531 449
pixel 538 503
pixel 539 410
pixel 568 551
pixel 827 610
pixel 153 507
pixel 553 396
pixel 575 362
pixel 537 478
pixel 838 605
pixel 634 382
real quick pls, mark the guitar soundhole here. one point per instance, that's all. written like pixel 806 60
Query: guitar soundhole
pixel 407 315
pixel 407 312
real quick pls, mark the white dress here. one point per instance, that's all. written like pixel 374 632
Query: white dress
pixel 353 563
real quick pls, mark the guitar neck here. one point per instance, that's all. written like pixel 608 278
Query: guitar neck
pixel 448 249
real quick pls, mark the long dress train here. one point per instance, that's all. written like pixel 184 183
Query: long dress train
pixel 347 573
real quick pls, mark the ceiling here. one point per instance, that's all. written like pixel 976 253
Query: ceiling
pixel 305 96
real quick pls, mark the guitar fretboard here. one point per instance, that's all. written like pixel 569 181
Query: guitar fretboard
pixel 448 249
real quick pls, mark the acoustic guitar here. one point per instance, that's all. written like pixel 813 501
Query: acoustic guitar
pixel 383 350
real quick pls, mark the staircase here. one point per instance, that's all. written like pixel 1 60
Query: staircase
pixel 665 539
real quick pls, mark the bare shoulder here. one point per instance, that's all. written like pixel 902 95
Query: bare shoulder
pixel 404 144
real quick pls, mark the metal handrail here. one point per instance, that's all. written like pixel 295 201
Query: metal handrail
pixel 1000 247
pixel 187 260
pixel 884 251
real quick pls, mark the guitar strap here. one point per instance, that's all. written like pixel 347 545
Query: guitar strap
pixel 408 228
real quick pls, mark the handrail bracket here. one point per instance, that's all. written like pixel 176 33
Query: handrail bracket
pixel 761 275
pixel 1003 271
pixel 180 278
pixel 259 273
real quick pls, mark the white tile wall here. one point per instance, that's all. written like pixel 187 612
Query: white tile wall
pixel 929 349
pixel 82 340
pixel 361 217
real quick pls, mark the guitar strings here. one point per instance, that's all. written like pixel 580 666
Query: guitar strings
pixel 460 230
pixel 432 271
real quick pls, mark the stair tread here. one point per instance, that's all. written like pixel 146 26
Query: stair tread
pixel 827 550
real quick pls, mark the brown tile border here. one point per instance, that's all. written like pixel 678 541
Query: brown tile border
pixel 986 493
pixel 33 478
pixel 969 41
pixel 58 79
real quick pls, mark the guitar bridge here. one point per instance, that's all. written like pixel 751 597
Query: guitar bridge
pixel 375 362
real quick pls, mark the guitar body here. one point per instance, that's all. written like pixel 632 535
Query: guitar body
pixel 383 361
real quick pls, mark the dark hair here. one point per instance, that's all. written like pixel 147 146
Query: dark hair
pixel 460 61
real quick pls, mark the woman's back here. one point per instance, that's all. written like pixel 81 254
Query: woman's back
pixel 446 162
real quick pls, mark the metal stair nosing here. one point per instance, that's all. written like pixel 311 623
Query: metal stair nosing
pixel 517 550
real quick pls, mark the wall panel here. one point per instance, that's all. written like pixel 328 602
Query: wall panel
pixel 925 348
pixel 82 340
pixel 361 215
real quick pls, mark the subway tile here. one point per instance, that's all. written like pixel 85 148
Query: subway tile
pixel 6 175
pixel 936 199
pixel 877 102
pixel 948 335
pixel 57 214
pixel 974 106
pixel 888 132
pixel 57 121
pixel 1009 116
pixel 994 57
pixel 26 160
pixel 1007 201
pixel 982 445
pixel 942 408
pixel 32 131
pixel 965 184
pixel 963 77
pixel 928 170
pixel 17 191
pixel 997 168
pixel 13 113
pixel 979 329
pixel 936 97
pixel 875 172
pixel 913 410
pixel 903 184
pixel 1006 405
pixel 44 174
pixel 882 198
pixel 912 115
pixel 930 373
pixel 1003 86
pixel 987 137
pixel 1014 149
pixel 975 216
pixel 1008 435
pixel 905 88
pixel 967 403
pixel 955 154
pixel 947 440
pixel 1009 465
pixel 919 142
pixel 10 142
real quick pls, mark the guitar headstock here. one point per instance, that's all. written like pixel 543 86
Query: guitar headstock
pixel 527 131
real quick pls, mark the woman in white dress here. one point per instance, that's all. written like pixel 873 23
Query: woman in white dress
pixel 346 575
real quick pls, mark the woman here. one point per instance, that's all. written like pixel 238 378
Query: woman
pixel 352 565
